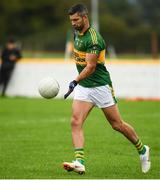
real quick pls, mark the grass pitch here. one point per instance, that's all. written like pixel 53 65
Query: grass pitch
pixel 35 139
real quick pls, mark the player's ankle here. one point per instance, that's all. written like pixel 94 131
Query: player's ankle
pixel 143 151
pixel 79 155
pixel 80 161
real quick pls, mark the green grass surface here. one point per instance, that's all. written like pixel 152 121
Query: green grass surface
pixel 35 139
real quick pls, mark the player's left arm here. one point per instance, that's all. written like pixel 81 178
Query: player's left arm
pixel 91 60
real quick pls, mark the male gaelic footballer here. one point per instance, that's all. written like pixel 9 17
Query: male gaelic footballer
pixel 93 87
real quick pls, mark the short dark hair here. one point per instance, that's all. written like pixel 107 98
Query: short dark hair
pixel 81 9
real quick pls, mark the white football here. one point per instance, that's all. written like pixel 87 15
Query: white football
pixel 48 87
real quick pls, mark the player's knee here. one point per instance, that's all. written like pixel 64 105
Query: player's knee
pixel 118 126
pixel 75 121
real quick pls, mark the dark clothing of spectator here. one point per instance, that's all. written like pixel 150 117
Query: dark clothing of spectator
pixel 9 58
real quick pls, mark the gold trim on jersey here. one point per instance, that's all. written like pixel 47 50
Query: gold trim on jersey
pixel 80 57
pixel 81 54
pixel 101 58
pixel 93 36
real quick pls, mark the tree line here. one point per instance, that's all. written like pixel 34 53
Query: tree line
pixel 131 26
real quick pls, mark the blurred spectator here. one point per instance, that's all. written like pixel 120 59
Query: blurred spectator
pixel 9 56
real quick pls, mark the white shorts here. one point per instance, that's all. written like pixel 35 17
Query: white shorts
pixel 101 96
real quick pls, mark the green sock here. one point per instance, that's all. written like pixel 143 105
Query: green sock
pixel 79 155
pixel 140 147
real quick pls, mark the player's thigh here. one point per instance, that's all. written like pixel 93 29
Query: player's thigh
pixel 80 110
pixel 112 114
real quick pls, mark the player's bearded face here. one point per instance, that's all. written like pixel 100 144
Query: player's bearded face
pixel 77 22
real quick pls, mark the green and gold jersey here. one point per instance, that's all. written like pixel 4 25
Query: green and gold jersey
pixel 91 42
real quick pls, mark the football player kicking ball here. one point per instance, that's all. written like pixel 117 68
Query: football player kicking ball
pixel 94 88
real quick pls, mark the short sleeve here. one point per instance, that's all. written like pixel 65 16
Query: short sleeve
pixel 93 49
pixel 93 44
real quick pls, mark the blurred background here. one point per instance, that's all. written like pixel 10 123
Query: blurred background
pixel 130 28
pixel 43 33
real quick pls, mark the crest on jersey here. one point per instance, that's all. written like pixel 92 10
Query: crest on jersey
pixel 94 47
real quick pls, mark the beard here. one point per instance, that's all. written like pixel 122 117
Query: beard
pixel 78 28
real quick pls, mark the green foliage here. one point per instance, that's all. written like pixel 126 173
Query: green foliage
pixel 43 25
pixel 150 12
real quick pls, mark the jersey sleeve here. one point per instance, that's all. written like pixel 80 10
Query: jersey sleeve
pixel 93 44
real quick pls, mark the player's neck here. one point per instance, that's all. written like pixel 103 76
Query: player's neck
pixel 87 25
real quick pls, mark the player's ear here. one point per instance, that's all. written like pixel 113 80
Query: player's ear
pixel 85 16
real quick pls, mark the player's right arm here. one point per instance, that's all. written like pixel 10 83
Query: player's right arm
pixel 91 60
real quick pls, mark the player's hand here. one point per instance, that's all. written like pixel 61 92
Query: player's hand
pixel 72 85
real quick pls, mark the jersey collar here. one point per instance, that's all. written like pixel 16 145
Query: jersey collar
pixel 82 34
